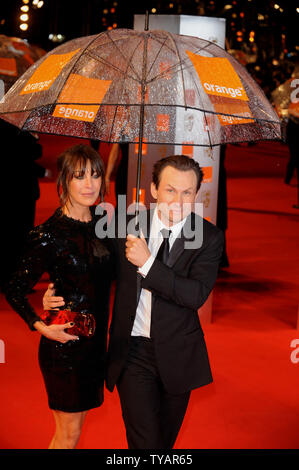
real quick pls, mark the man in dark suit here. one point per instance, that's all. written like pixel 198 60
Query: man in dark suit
pixel 157 352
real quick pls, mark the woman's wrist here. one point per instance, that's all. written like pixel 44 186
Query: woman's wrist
pixel 40 326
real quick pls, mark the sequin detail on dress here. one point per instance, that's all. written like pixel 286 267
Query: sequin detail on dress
pixel 81 268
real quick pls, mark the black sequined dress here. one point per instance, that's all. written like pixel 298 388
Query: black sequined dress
pixel 81 268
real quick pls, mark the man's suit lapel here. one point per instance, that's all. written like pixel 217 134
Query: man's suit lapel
pixel 179 245
pixel 176 250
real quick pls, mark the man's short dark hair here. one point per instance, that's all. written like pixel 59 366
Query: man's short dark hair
pixel 179 162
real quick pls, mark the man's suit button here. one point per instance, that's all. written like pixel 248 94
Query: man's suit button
pixel 132 317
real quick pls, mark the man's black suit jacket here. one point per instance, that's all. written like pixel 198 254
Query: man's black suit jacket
pixel 178 290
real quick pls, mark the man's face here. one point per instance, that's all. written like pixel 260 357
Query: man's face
pixel 175 194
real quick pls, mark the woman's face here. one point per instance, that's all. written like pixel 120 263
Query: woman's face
pixel 84 187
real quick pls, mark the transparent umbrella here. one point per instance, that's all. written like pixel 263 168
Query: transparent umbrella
pixel 16 56
pixel 131 86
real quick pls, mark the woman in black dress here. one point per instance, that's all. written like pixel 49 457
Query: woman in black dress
pixel 80 267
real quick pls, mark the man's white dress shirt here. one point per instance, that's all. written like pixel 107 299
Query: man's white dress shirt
pixel 142 323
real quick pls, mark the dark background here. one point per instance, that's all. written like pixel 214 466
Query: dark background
pixel 276 31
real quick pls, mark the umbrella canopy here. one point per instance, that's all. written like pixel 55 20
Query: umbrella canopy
pixel 127 86
pixel 16 56
pixel 131 86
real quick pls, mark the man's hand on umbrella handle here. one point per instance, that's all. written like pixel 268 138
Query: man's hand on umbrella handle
pixel 50 301
pixel 137 251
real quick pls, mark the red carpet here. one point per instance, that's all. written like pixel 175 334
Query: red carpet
pixel 253 402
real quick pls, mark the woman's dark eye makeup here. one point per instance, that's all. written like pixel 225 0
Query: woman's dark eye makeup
pixel 79 174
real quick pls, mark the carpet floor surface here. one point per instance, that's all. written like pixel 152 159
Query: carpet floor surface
pixel 253 339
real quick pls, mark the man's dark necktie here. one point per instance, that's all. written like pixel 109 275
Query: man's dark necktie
pixel 163 252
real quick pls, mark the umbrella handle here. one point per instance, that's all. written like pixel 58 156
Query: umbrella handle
pixel 139 158
pixel 141 125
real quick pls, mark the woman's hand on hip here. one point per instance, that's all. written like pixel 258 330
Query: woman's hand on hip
pixel 55 332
